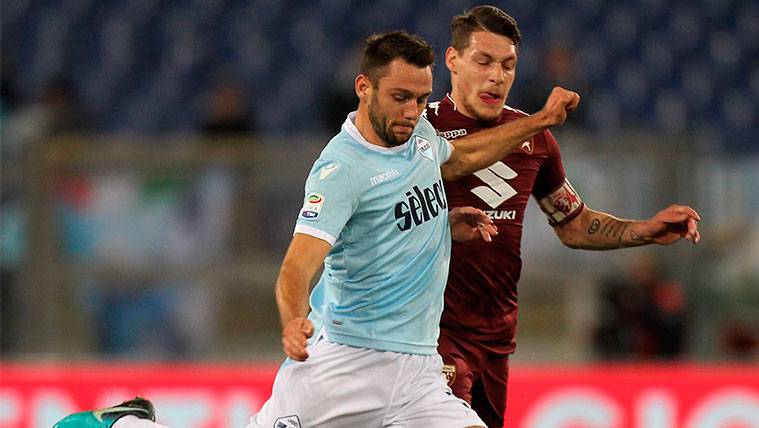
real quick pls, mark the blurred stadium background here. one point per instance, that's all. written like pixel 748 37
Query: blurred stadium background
pixel 154 154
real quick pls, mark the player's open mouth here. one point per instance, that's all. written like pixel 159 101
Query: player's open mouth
pixel 490 98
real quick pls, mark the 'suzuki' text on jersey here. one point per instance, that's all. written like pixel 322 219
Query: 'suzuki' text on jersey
pixel 481 295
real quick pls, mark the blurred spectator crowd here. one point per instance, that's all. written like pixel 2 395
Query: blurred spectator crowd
pixel 686 68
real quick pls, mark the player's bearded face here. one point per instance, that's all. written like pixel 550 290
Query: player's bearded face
pixel 484 73
pixel 396 100
pixel 384 126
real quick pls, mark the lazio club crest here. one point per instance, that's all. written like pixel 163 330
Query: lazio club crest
pixel 423 146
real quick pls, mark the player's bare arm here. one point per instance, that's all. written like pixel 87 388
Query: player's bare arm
pixel 486 147
pixel 595 230
pixel 468 223
pixel 303 260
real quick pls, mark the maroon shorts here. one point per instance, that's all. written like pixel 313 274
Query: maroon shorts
pixel 477 375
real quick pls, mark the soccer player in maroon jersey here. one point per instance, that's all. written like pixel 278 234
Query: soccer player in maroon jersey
pixel 479 320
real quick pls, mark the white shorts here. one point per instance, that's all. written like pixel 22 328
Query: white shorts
pixel 343 386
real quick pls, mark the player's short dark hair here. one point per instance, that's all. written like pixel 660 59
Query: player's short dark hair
pixel 381 49
pixel 482 18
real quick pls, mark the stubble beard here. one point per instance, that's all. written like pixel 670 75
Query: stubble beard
pixel 476 113
pixel 378 122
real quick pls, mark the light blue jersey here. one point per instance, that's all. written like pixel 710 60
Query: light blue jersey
pixel 385 213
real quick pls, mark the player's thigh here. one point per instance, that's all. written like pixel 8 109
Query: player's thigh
pixel 335 387
pixel 489 394
pixel 426 401
pixel 459 365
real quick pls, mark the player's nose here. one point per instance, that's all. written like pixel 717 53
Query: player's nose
pixel 497 74
pixel 410 112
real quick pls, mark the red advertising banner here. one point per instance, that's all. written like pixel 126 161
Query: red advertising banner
pixel 225 396
pixel 634 396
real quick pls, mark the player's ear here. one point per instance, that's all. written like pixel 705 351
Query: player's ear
pixel 363 85
pixel 451 55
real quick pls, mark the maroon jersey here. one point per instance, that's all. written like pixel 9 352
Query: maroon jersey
pixel 481 295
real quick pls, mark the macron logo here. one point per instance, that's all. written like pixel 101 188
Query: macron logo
pixel 327 170
pixel 387 175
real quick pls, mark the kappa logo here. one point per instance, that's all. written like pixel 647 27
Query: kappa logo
pixel 327 170
pixel 526 147
pixel 453 134
pixel 312 206
pixel 291 421
pixel 423 146
pixel 435 105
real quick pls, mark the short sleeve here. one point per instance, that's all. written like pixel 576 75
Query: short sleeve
pixel 551 174
pixel 556 197
pixel 445 150
pixel 329 202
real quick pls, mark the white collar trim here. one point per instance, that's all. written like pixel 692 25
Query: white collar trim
pixel 448 95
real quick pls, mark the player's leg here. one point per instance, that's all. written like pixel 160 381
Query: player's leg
pixel 138 409
pixel 489 393
pixel 424 400
pixel 337 386
pixel 458 365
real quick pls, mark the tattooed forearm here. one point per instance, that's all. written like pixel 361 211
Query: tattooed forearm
pixel 614 226
pixel 607 225
pixel 636 237
pixel 622 232
pixel 594 226
pixel 609 228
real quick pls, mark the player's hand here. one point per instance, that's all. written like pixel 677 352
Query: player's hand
pixel 559 103
pixel 295 336
pixel 673 223
pixel 469 223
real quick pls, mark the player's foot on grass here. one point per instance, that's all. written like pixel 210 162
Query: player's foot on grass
pixel 105 418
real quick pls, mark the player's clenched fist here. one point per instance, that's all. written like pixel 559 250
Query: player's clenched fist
pixel 671 224
pixel 295 338
pixel 559 103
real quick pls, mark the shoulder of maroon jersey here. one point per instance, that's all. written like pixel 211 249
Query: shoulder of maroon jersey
pixel 441 114
pixel 542 141
pixel 511 113
pixel 438 108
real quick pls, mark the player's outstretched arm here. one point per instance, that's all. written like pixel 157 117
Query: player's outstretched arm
pixel 595 230
pixel 303 259
pixel 468 223
pixel 484 148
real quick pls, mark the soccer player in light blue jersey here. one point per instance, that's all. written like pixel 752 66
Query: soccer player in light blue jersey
pixel 376 217
pixel 362 352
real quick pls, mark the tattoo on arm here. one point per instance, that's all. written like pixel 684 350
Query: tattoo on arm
pixel 607 226
pixel 594 226
pixel 610 228
pixel 636 237
pixel 622 232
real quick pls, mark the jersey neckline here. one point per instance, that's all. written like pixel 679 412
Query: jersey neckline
pixel 350 127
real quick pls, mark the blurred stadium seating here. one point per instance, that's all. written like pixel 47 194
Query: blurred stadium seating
pixel 144 66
